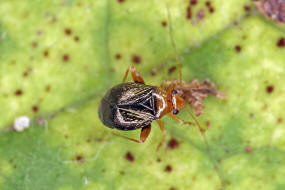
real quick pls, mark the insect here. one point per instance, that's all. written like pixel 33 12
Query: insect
pixel 135 105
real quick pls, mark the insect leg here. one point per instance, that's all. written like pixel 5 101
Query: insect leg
pixel 174 117
pixel 143 136
pixel 161 126
pixel 144 133
pixel 135 74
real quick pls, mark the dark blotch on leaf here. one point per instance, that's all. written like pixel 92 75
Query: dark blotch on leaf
pixel 211 9
pixel 247 8
pixel 76 38
pixel 18 92
pixel 35 108
pixel 172 188
pixel 168 168
pixel 238 48
pixel 208 3
pixel 129 156
pixel 171 69
pixel 67 31
pixel 79 158
pixel 164 23
pixel 270 89
pixel 193 2
pixel 65 57
pixel 34 44
pixel 136 59
pixel 121 1
pixel 46 53
pixel 188 13
pixel 25 74
pixel 47 88
pixel 118 56
pixel 173 144
pixel 279 120
pixel 281 42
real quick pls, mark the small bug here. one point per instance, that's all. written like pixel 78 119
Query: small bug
pixel 135 105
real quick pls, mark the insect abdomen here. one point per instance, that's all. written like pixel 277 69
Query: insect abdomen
pixel 128 106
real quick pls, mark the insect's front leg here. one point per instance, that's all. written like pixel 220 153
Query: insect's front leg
pixel 135 74
pixel 174 117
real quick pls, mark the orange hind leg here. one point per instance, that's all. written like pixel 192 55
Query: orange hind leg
pixel 143 136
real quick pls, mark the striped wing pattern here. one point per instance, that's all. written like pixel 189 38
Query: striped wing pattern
pixel 136 106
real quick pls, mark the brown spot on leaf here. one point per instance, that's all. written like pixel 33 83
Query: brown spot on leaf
pixel 121 1
pixel 34 44
pixel 25 74
pixel 18 92
pixel 46 53
pixel 35 108
pixel 270 89
pixel 279 120
pixel 76 38
pixel 172 188
pixel 168 168
pixel 136 59
pixel 188 13
pixel 158 160
pixel 130 157
pixel 65 57
pixel 211 9
pixel 68 31
pixel 281 42
pixel 118 56
pixel 173 144
pixel 193 2
pixel 247 8
pixel 238 48
pixel 47 88
pixel 208 4
pixel 164 23
pixel 171 69
pixel 79 158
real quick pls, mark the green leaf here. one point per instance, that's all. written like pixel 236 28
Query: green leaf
pixel 57 59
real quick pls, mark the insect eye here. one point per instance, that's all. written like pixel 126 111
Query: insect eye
pixel 173 92
pixel 175 111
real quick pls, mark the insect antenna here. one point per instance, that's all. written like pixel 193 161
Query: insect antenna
pixel 196 122
pixel 173 44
